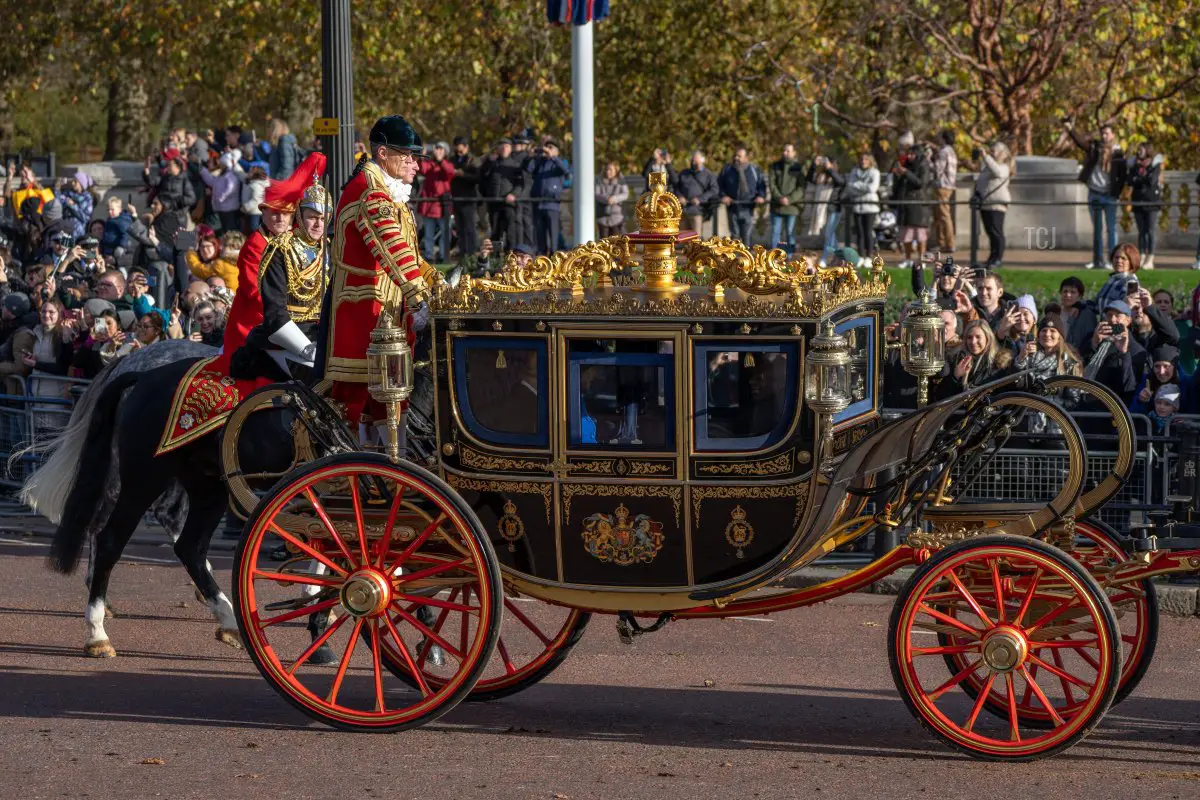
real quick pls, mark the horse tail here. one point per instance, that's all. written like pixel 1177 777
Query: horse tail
pixel 83 497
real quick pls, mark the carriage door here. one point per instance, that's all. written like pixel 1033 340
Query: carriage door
pixel 618 440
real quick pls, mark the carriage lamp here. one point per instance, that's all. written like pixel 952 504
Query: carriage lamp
pixel 923 343
pixel 827 380
pixel 827 384
pixel 390 374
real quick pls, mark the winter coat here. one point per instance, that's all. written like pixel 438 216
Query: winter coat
pixel 1113 289
pixel 20 195
pixel 1146 180
pixel 285 155
pixel 1121 372
pixel 787 180
pixel 548 175
pixel 607 214
pixel 1092 160
pixel 1081 326
pixel 502 176
pixel 992 185
pixel 226 187
pixel 945 168
pixel 203 270
pixel 253 193
pixel 913 185
pixel 115 229
pixel 437 176
pixel 700 184
pixel 465 183
pixel 77 208
pixel 756 186
pixel 862 190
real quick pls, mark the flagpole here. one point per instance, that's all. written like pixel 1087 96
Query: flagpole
pixel 584 142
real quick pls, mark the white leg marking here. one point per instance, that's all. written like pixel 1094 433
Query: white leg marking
pixel 222 609
pixel 317 569
pixel 94 617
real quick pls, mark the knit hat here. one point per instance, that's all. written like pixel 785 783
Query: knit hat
pixel 85 180
pixel 96 306
pixel 906 139
pixel 1168 392
pixel 1165 352
pixel 847 254
pixel 1051 321
pixel 17 303
pixel 1025 301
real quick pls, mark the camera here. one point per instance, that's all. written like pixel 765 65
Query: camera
pixel 949 268
pixel 1117 328
pixel 1132 286
pixel 976 153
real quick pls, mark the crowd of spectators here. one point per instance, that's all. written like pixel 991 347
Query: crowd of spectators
pixel 1125 337
pixel 84 281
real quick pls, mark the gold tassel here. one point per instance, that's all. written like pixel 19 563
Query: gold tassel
pixel 500 362
pixel 750 360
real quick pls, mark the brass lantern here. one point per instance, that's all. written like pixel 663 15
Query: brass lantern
pixel 827 382
pixel 923 343
pixel 390 374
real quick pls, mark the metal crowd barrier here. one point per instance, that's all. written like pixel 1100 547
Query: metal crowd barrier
pixel 32 409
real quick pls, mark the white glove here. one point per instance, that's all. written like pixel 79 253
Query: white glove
pixel 293 340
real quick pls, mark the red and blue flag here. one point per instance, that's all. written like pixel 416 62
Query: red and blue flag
pixel 576 12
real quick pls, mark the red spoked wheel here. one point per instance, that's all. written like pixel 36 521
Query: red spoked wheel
pixel 387 543
pixel 1002 627
pixel 535 638
pixel 1136 608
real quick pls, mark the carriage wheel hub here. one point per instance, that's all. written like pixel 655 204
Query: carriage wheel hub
pixel 1004 649
pixel 366 593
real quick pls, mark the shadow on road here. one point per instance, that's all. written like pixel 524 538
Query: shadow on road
pixel 814 720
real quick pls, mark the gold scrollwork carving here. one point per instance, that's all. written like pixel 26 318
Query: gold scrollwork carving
pixel 777 465
pixel 849 438
pixel 570 490
pixel 941 537
pixel 566 269
pixel 649 468
pixel 546 490
pixel 797 490
pixel 591 467
pixel 484 461
pixel 485 302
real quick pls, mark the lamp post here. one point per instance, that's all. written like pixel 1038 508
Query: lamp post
pixel 337 93
pixel 923 343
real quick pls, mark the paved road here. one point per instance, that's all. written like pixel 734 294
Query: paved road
pixel 801 705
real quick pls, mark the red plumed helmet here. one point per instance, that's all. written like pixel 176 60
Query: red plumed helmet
pixel 285 195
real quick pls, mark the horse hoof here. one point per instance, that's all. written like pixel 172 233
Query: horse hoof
pixel 108 612
pixel 323 655
pixel 100 649
pixel 231 638
pixel 200 597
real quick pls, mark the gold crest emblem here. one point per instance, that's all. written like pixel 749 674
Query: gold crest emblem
pixel 511 526
pixel 622 541
pixel 739 533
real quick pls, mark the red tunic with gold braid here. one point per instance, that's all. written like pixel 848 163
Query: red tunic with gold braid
pixel 375 267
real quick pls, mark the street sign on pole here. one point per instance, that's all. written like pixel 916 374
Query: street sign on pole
pixel 326 126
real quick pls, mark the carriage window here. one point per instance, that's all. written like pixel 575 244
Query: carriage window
pixel 621 394
pixel 745 394
pixel 861 335
pixel 502 389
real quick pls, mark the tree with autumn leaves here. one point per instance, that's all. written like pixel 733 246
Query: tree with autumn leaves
pixel 831 76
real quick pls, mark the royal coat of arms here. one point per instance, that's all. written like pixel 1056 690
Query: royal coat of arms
pixel 511 526
pixel 739 532
pixel 622 541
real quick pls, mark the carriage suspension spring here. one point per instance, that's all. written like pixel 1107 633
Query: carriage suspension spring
pixel 628 626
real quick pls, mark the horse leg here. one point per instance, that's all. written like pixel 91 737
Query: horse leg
pixel 109 544
pixel 207 498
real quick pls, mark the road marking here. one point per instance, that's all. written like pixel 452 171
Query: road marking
pixel 24 543
pixel 752 619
